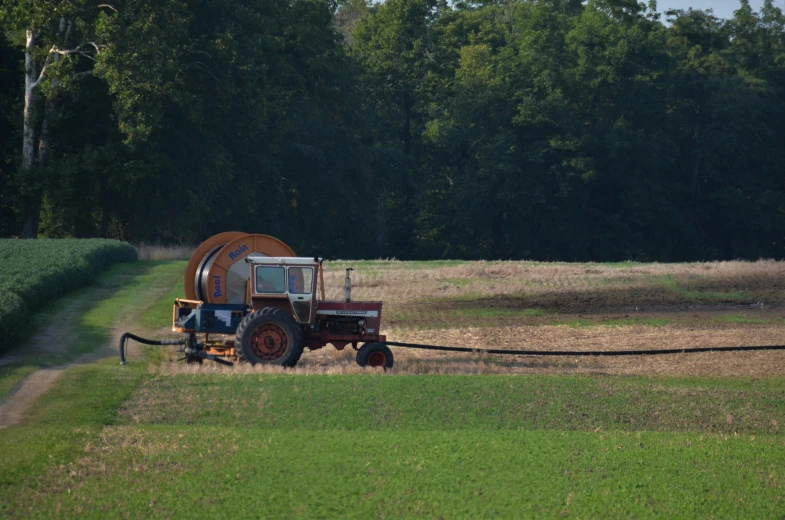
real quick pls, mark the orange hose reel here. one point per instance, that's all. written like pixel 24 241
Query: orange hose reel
pixel 216 272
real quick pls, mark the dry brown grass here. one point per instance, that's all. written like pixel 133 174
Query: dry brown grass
pixel 692 295
pixel 698 292
pixel 163 252
pixel 411 362
pixel 397 282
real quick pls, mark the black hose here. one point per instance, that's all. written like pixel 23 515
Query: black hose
pixel 139 339
pixel 584 352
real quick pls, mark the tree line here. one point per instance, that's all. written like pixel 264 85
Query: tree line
pixel 537 129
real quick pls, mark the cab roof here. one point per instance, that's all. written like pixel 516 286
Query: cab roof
pixel 282 260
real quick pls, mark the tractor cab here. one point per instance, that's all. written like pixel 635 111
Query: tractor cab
pixel 285 283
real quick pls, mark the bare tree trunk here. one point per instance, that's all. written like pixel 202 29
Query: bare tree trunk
pixel 49 108
pixel 43 138
pixel 33 209
pixel 32 81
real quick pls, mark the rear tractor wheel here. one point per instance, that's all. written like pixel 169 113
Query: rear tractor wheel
pixel 375 355
pixel 270 336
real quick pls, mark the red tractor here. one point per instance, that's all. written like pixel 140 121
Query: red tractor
pixel 281 316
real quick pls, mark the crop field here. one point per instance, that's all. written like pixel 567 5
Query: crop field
pixel 33 272
pixel 441 435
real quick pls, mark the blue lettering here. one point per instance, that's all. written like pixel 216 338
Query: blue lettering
pixel 236 254
pixel 217 282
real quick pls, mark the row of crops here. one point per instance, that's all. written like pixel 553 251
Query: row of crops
pixel 33 272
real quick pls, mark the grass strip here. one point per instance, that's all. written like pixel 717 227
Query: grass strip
pixel 198 472
pixel 59 425
pixel 120 295
pixel 483 402
pixel 159 314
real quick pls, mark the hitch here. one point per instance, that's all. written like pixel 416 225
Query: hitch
pixel 196 351
pixel 192 349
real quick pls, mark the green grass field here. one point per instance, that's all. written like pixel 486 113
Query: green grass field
pixel 117 439
pixel 139 442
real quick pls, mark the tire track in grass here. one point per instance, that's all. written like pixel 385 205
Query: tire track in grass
pixel 85 330
pixel 57 337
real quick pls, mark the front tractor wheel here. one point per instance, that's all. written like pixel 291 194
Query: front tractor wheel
pixel 375 355
pixel 270 336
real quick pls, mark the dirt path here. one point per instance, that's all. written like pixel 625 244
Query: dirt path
pixel 13 411
pixel 57 338
pixel 58 341
pixel 14 408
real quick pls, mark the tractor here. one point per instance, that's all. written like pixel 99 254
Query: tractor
pixel 282 316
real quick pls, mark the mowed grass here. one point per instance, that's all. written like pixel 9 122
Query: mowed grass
pixel 137 288
pixel 200 472
pixel 477 402
pixel 257 445
pixel 10 376
pixel 85 398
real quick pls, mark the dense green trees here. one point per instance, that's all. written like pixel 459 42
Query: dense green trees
pixel 550 129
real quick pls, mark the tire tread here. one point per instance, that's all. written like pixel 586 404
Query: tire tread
pixel 276 315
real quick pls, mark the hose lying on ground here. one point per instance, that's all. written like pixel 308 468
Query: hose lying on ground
pixel 125 337
pixel 569 353
pixel 653 352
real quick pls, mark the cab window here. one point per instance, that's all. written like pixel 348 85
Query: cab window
pixel 300 280
pixel 270 280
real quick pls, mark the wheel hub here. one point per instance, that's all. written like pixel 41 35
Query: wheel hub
pixel 377 359
pixel 269 342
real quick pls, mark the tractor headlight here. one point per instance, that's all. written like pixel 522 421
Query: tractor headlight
pixel 361 323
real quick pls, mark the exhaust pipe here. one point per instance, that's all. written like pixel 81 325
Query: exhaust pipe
pixel 348 285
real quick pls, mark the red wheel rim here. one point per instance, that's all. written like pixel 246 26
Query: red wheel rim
pixel 269 342
pixel 377 359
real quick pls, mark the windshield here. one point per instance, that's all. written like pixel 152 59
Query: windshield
pixel 270 279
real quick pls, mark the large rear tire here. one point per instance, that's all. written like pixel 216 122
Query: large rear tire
pixel 269 336
pixel 375 355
